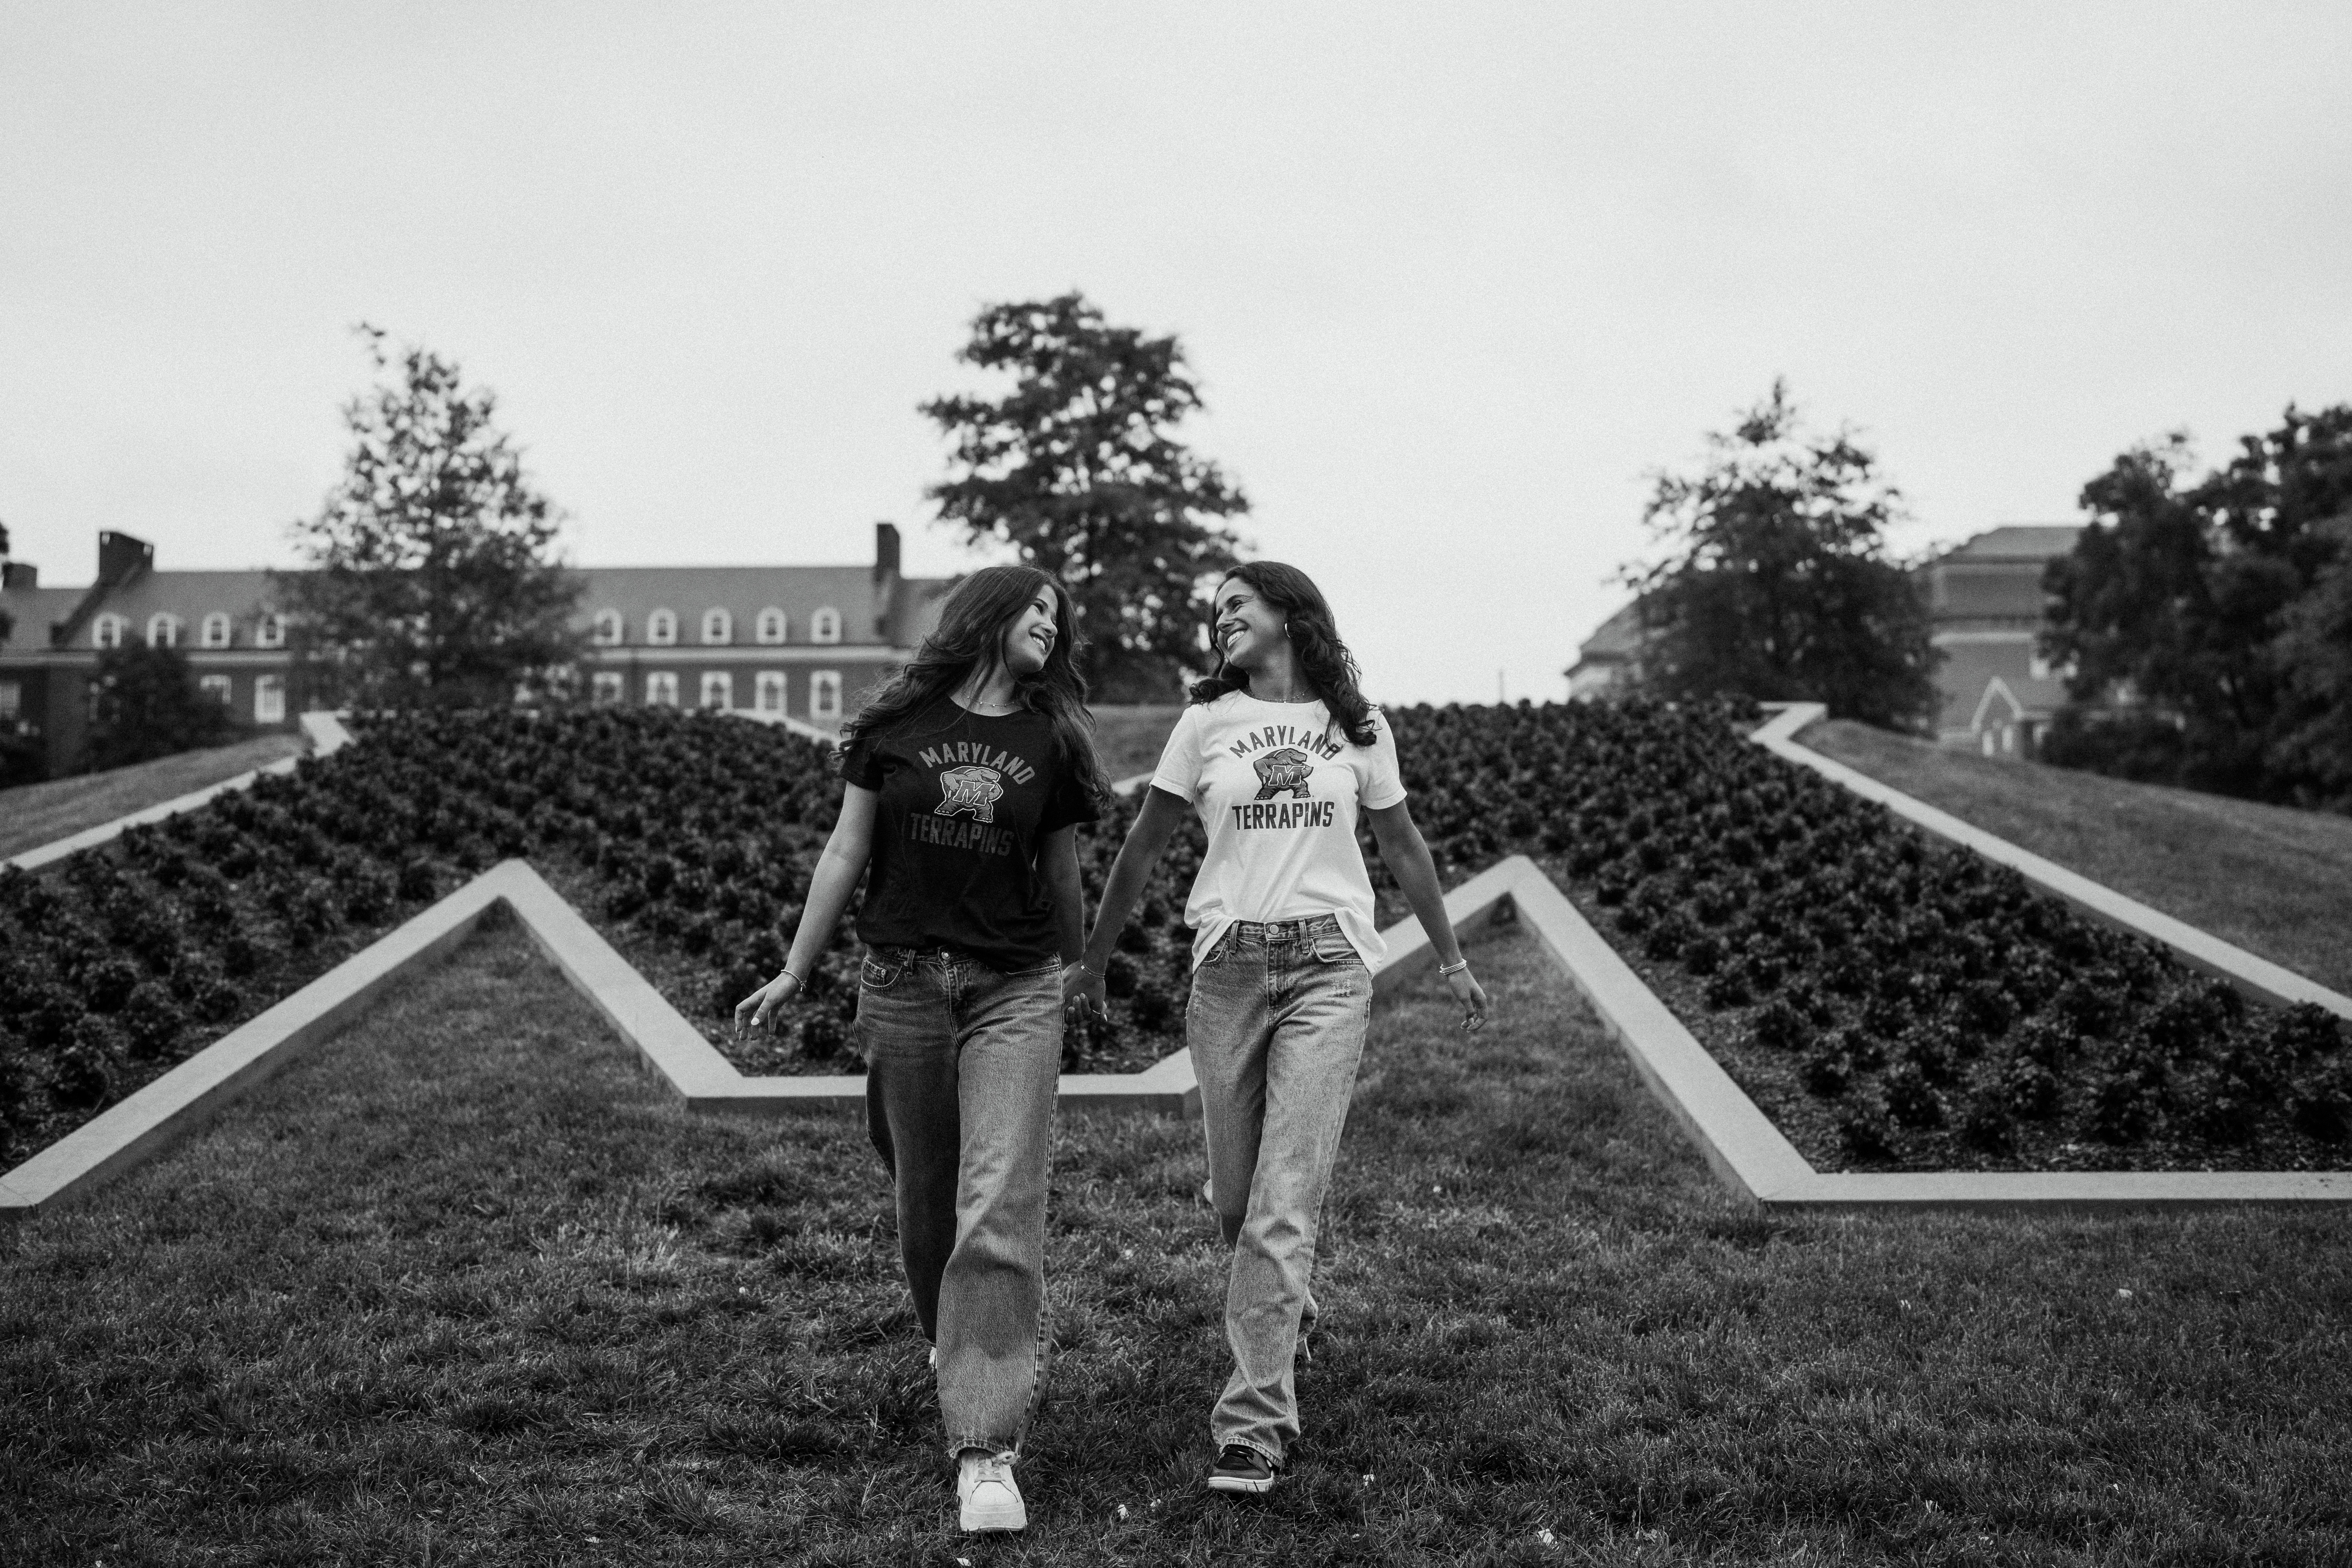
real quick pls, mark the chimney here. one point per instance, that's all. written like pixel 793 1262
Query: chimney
pixel 122 558
pixel 19 574
pixel 886 550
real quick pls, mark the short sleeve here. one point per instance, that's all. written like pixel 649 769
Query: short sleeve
pixel 1384 784
pixel 861 763
pixel 1070 803
pixel 1178 772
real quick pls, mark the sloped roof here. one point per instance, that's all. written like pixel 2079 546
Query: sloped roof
pixel 1618 637
pixel 2016 542
pixel 191 595
pixel 34 610
pixel 742 591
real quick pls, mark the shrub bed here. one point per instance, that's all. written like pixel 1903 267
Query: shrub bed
pixel 1890 1000
pixel 687 840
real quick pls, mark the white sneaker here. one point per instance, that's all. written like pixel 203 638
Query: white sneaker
pixel 990 1496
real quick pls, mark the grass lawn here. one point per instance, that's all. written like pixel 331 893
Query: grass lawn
pixel 404 1306
pixel 2273 879
pixel 38 814
pixel 1131 738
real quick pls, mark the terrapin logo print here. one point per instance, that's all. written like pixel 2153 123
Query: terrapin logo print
pixel 970 788
pixel 1284 771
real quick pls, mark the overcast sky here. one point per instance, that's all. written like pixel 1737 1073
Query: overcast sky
pixel 1454 278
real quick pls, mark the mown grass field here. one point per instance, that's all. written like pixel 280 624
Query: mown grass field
pixel 2274 880
pixel 38 814
pixel 465 1288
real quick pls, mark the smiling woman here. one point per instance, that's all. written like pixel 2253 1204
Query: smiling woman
pixel 965 780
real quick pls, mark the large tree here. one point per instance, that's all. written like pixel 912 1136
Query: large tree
pixel 1076 466
pixel 1774 582
pixel 432 575
pixel 2186 612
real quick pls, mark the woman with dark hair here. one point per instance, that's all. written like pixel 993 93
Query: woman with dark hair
pixel 1278 754
pixel 964 780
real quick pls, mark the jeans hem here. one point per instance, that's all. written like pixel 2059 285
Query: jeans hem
pixel 1006 1451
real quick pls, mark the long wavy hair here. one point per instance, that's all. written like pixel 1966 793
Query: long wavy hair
pixel 969 641
pixel 1329 669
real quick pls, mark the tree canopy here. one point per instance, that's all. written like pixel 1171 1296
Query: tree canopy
pixel 1075 466
pixel 1774 583
pixel 433 578
pixel 2204 617
pixel 144 703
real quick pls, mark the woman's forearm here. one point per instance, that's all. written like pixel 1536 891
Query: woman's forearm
pixel 837 870
pixel 1154 825
pixel 1407 854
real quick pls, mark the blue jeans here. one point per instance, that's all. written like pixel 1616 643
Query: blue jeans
pixel 1275 1026
pixel 962 1067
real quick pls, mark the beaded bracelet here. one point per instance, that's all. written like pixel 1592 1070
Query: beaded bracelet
pixel 1456 967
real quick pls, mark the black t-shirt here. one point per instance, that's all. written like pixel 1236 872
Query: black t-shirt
pixel 966 802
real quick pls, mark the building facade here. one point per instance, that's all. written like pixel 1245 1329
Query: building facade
pixel 1996 693
pixel 777 643
pixel 1999 692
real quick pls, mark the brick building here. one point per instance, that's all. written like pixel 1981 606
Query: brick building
pixel 798 643
pixel 1985 598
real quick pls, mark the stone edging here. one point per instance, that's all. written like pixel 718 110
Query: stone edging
pixel 1751 1156
pixel 326 734
pixel 2258 977
pixel 185 1098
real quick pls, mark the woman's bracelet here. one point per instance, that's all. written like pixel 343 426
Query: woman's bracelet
pixel 795 979
pixel 1456 967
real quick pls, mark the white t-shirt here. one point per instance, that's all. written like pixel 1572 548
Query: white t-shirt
pixel 1278 786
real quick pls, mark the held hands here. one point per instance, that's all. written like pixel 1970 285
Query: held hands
pixel 1082 993
pixel 760 1009
pixel 1471 994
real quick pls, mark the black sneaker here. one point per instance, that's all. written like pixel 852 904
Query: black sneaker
pixel 1241 1469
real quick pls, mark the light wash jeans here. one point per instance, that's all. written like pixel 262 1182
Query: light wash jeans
pixel 1275 1026
pixel 962 1067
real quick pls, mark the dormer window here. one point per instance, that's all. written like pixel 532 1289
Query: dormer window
pixel 217 632
pixel 825 626
pixel 269 631
pixel 107 631
pixel 607 632
pixel 661 628
pixel 770 627
pixel 718 627
pixel 162 630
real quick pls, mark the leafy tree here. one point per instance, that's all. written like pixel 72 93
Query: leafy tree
pixel 144 703
pixel 432 576
pixel 1775 585
pixel 2183 610
pixel 1077 469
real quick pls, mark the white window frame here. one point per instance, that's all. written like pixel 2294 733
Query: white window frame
pixel 12 699
pixel 718 629
pixel 606 687
pixel 661 628
pixel 767 691
pixel 269 699
pixel 771 626
pixel 163 629
pixel 216 631
pixel 108 630
pixel 825 694
pixel 723 684
pixel 661 688
pixel 215 686
pixel 825 626
pixel 269 631
pixel 609 628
